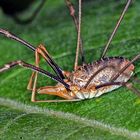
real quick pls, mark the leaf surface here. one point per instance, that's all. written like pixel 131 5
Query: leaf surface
pixel 114 116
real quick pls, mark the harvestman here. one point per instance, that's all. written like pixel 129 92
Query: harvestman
pixel 86 81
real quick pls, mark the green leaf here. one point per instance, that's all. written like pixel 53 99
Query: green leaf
pixel 114 116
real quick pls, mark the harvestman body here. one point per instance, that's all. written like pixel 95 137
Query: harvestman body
pixel 86 81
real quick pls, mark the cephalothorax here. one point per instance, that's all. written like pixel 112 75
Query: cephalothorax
pixel 86 81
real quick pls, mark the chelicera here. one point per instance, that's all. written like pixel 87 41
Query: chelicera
pixel 85 81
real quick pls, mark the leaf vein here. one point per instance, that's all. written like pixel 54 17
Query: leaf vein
pixel 72 117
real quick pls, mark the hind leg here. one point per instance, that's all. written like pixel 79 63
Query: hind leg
pixel 128 85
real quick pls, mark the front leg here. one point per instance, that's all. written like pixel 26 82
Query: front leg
pixel 38 70
pixel 40 51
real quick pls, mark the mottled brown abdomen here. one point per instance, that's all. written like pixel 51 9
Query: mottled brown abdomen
pixel 88 76
pixel 103 71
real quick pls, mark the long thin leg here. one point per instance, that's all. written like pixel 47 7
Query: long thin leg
pixel 72 13
pixel 48 89
pixel 14 37
pixel 135 79
pixel 35 77
pixel 30 83
pixel 125 84
pixel 110 84
pixel 44 53
pixel 96 73
pixel 115 29
pixel 78 38
pixel 31 18
pixel 41 50
pixel 52 90
pixel 56 101
pixel 133 89
pixel 50 61
pixel 125 67
pixel 34 68
pixel 55 67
